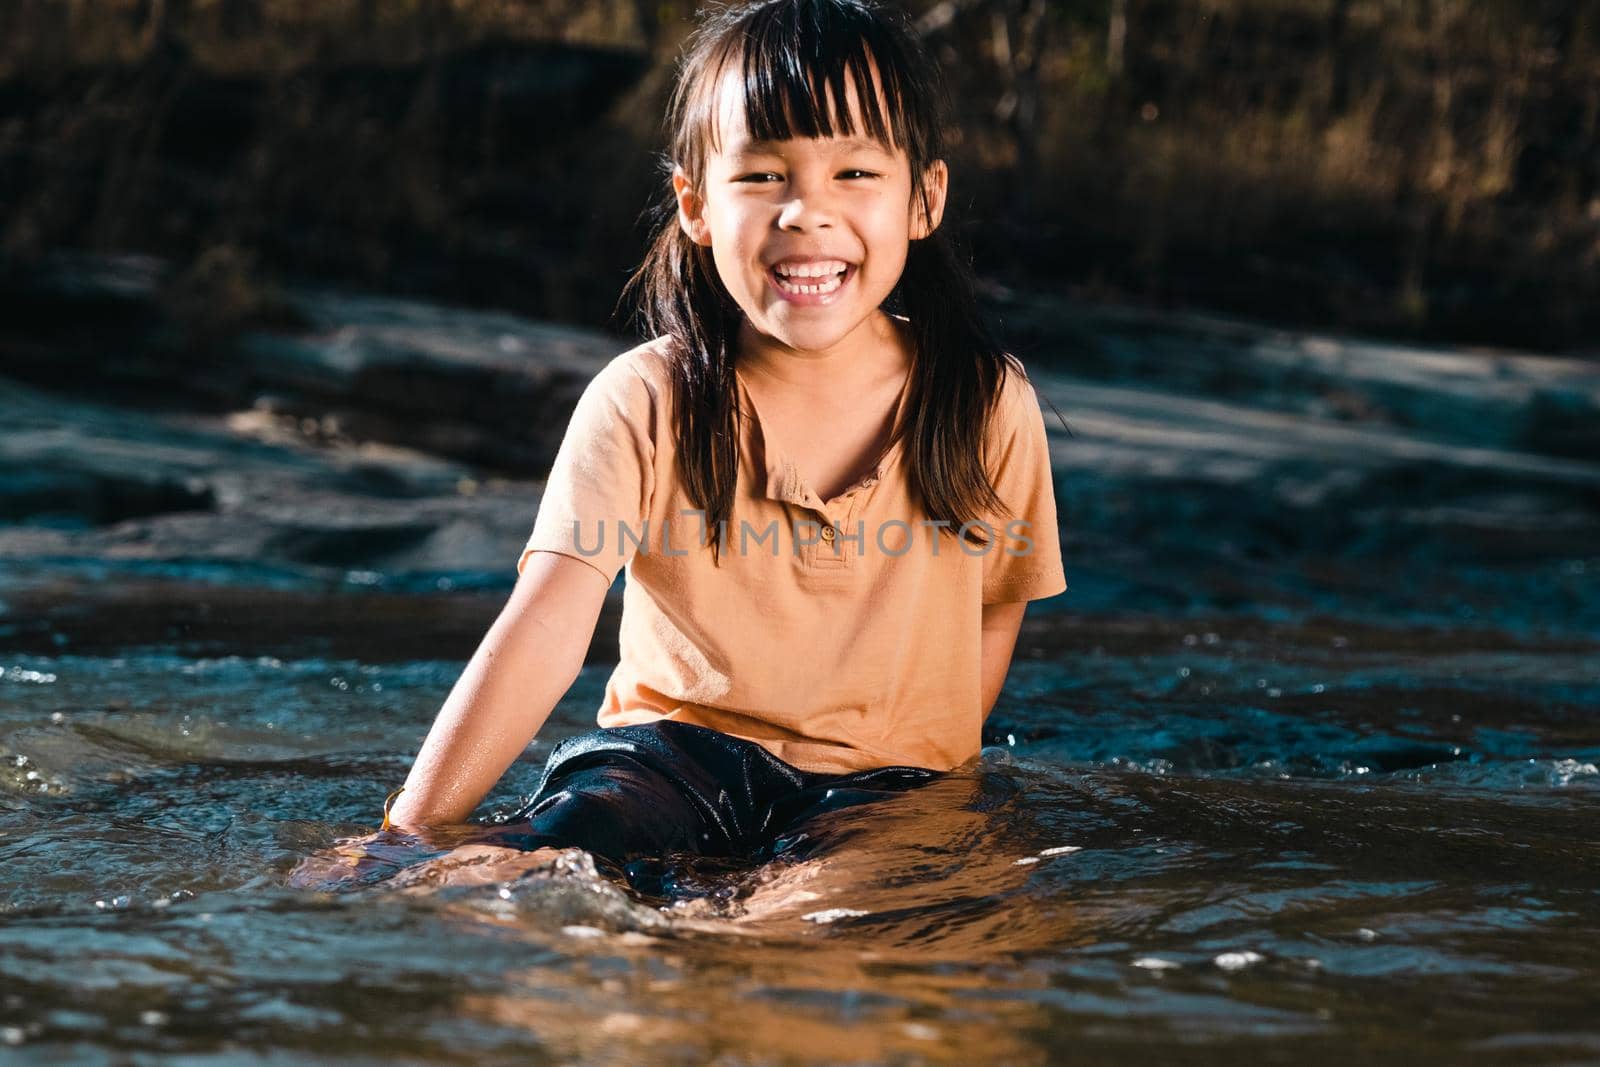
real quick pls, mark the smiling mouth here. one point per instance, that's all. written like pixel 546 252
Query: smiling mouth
pixel 810 286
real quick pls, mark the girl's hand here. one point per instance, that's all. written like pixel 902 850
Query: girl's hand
pixel 353 862
pixel 356 862
pixel 408 863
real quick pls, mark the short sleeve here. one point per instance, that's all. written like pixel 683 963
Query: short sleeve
pixel 598 494
pixel 1024 560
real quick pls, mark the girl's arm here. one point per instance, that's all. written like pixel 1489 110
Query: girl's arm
pixel 1000 625
pixel 526 663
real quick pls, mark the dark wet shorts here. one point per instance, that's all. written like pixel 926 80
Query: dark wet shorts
pixel 665 786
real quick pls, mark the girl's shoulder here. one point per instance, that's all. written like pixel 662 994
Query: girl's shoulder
pixel 1016 402
pixel 638 378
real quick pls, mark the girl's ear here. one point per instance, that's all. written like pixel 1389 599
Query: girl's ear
pixel 691 210
pixel 935 185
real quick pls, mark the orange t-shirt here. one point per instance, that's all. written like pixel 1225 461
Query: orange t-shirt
pixel 841 635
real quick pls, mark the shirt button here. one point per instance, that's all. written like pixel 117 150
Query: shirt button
pixel 827 533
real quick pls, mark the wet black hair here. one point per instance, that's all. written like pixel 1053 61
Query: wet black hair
pixel 795 57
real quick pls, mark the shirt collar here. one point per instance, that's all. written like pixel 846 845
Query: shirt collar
pixel 781 474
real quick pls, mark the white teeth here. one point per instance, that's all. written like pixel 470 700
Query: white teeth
pixel 813 270
pixel 829 274
pixel 826 287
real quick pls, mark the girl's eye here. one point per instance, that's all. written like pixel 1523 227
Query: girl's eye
pixel 762 177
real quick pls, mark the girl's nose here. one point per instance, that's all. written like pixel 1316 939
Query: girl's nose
pixel 809 208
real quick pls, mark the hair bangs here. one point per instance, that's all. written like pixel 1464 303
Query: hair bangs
pixel 799 88
pixel 796 64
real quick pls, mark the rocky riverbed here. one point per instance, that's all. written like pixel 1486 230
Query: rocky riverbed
pixel 382 446
pixel 1303 766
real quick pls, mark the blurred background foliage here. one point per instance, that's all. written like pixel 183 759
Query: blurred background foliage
pixel 1427 168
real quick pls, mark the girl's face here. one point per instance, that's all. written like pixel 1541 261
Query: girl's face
pixel 808 235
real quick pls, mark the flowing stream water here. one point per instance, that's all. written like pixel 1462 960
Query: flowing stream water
pixel 1182 841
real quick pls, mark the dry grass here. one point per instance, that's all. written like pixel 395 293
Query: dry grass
pixel 1416 164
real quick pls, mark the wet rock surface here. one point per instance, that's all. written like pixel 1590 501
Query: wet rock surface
pixel 491 389
pixel 392 446
pixel 1486 398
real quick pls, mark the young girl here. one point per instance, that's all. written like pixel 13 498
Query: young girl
pixel 830 490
